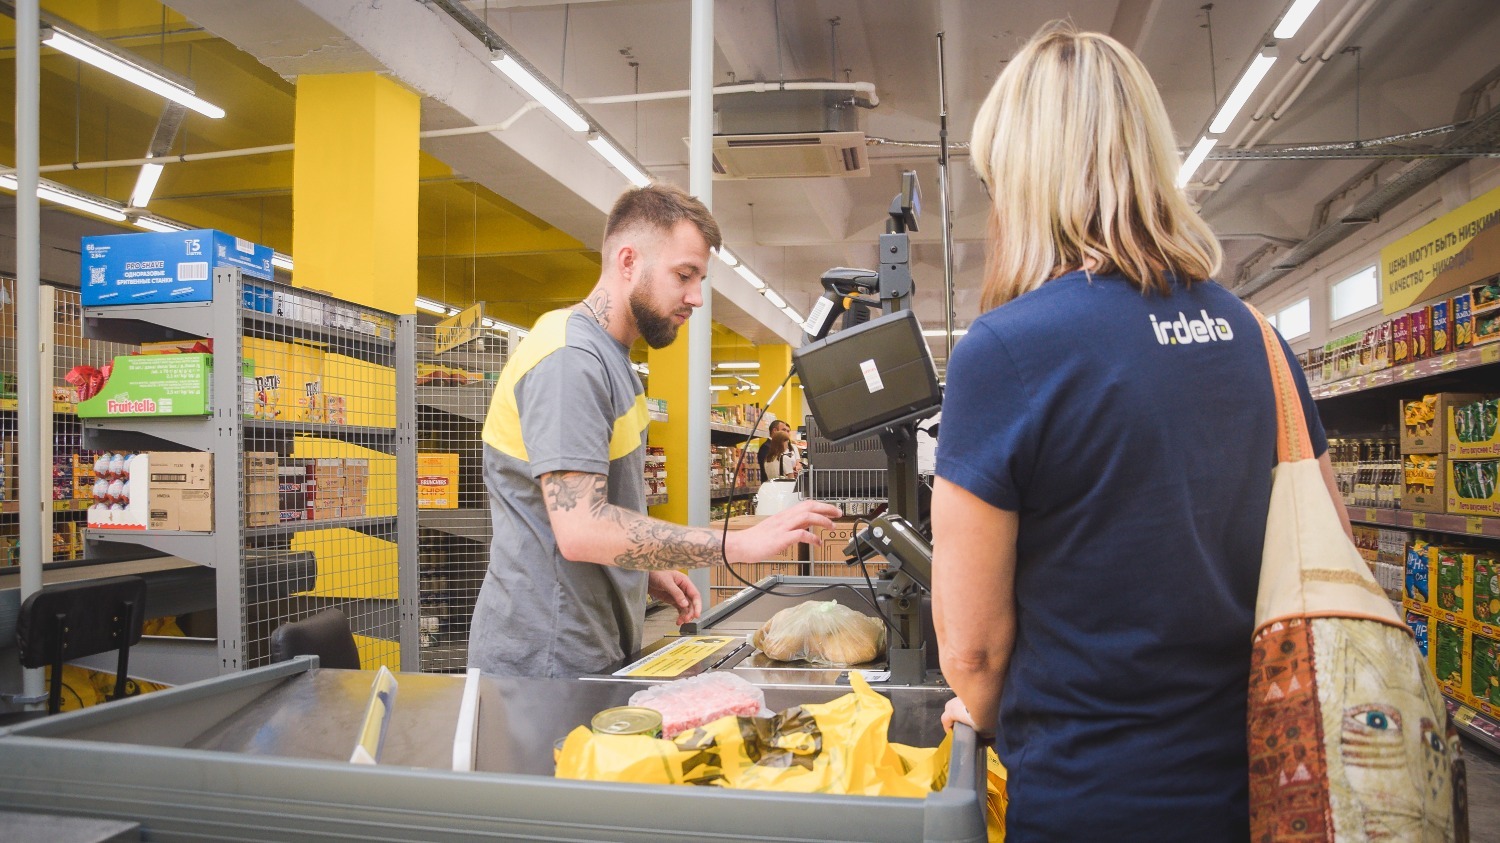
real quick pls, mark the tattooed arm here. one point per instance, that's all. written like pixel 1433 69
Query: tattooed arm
pixel 591 529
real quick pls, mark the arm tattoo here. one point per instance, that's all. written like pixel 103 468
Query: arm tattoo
pixel 651 544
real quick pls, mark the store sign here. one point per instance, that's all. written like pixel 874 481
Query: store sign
pixel 1452 251
pixel 459 329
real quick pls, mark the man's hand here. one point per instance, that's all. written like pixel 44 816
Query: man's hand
pixel 676 590
pixel 780 531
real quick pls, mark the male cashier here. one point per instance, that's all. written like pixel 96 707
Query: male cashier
pixel 574 555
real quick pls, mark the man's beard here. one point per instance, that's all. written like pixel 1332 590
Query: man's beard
pixel 657 330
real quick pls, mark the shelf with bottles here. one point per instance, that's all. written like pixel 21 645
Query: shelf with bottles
pixel 1368 471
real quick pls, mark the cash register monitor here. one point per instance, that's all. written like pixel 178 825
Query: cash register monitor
pixel 869 377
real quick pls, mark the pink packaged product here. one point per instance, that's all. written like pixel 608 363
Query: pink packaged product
pixel 689 703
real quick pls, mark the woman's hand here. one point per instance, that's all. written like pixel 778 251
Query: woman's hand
pixel 957 712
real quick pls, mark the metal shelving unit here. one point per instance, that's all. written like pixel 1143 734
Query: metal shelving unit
pixel 355 405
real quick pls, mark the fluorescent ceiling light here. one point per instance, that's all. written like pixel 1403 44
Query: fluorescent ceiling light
pixel 793 314
pixel 774 298
pixel 154 224
pixel 120 65
pixel 1194 160
pixel 1294 18
pixel 750 277
pixel 281 261
pixel 145 185
pixel 434 307
pixel 728 257
pixel 718 387
pixel 542 93
pixel 618 160
pixel 737 365
pixel 98 208
pixel 1242 91
pixel 938 332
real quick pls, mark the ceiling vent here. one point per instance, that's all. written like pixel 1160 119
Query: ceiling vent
pixel 793 156
pixel 788 135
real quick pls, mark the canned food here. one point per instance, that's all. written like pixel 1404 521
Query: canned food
pixel 628 720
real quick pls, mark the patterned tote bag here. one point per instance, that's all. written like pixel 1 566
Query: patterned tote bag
pixel 1349 736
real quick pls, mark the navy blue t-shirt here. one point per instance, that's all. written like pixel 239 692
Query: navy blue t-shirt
pixel 1135 437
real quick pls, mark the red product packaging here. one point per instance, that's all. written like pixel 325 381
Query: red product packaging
pixel 1421 333
pixel 1401 340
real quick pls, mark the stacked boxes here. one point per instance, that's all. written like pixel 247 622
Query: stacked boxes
pixel 287 380
pixel 262 491
pixel 336 488
pixel 291 486
pixel 1425 448
pixel 1473 450
pixel 656 471
pixel 172 266
pixel 180 489
pixel 1458 616
pixel 437 481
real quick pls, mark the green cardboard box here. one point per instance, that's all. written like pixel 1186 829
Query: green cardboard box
pixel 154 385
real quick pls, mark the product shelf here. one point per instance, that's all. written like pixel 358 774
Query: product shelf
pixel 351 433
pixel 171 321
pixel 199 548
pixel 1458 525
pixel 738 492
pixel 470 403
pixel 728 429
pixel 1481 727
pixel 472 523
pixel 200 433
pixel 374 525
pixel 1467 358
pixel 59 408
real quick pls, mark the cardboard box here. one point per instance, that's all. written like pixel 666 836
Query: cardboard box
pixel 1484 585
pixel 1463 322
pixel 1486 327
pixel 154 385
pixel 324 509
pixel 262 464
pixel 1449 659
pixel 1485 297
pixel 1401 348
pixel 1473 428
pixel 1441 338
pixel 1423 426
pixel 1472 487
pixel 720 577
pixel 171 266
pixel 259 298
pixel 281 374
pixel 181 489
pixel 263 509
pixel 1425 484
pixel 437 481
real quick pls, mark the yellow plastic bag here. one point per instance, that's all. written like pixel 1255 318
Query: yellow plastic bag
pixel 834 747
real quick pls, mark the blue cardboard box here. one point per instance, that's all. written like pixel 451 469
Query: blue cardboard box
pixel 171 266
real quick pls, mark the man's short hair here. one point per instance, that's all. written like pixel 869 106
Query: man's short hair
pixel 661 207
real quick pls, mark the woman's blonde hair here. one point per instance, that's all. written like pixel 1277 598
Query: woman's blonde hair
pixel 1074 146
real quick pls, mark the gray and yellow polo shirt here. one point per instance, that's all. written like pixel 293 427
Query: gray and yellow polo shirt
pixel 567 400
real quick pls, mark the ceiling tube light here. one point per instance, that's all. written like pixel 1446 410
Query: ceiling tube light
pixel 718 387
pixel 792 313
pixel 145 185
pixel 1294 18
pixel 154 224
pixel 617 159
pixel 281 261
pixel 750 277
pixel 1195 160
pixel 75 201
pixel 436 307
pixel 122 66
pixel 774 297
pixel 1242 90
pixel 728 258
pixel 938 332
pixel 541 92
pixel 738 364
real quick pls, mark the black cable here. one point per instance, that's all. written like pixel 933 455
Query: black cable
pixel 724 536
pixel 865 569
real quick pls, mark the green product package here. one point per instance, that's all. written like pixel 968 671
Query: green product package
pixel 1450 653
pixel 1450 577
pixel 1484 672
pixel 154 385
pixel 1486 589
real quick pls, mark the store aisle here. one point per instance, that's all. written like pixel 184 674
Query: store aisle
pixel 1484 793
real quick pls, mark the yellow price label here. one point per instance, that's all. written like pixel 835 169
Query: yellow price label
pixel 1489 353
pixel 1419 520
pixel 679 657
pixel 1369 514
pixel 1473 524
pixel 1464 715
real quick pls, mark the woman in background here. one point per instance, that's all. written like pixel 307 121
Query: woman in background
pixel 1104 468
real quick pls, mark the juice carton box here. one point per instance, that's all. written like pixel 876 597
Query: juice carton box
pixel 1463 322
pixel 1441 337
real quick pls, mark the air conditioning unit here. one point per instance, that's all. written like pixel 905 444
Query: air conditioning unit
pixel 788 135
pixel 791 156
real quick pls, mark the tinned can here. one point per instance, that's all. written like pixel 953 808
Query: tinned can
pixel 627 720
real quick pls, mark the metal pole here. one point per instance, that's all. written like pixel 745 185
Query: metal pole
pixel 700 327
pixel 28 316
pixel 943 195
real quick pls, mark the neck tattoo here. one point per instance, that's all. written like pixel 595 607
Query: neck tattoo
pixel 592 312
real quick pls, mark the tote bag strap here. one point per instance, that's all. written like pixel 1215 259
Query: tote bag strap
pixel 1293 443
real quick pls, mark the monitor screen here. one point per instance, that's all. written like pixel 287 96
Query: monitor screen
pixel 868 377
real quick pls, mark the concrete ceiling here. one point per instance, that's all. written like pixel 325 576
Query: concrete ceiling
pixel 1414 59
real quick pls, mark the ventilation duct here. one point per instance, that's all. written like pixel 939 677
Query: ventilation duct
pixel 788 134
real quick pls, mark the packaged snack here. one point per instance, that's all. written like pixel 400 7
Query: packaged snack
pixel 1401 339
pixel 1450 578
pixel 1463 322
pixel 1421 333
pixel 1484 670
pixel 1417 588
pixel 1450 653
pixel 1419 629
pixel 689 703
pixel 1440 337
pixel 1486 589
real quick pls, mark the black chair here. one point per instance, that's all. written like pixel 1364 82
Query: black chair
pixel 325 635
pixel 81 619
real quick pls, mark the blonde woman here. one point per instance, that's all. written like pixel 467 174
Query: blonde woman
pixel 1104 468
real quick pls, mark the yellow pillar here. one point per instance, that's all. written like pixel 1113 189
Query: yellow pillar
pixel 668 380
pixel 775 362
pixel 354 189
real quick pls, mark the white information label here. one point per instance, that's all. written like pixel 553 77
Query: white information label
pixel 872 376
pixel 815 319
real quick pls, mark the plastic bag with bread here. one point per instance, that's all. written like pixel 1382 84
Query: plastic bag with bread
pixel 821 632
